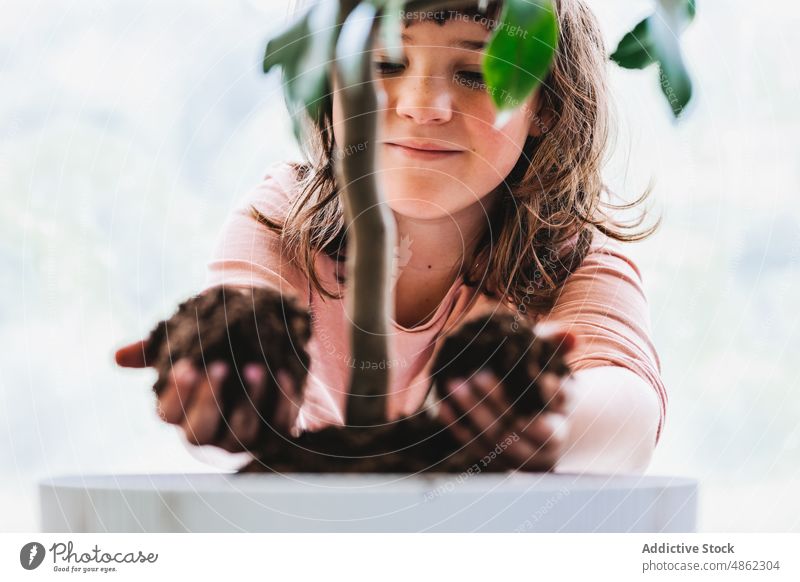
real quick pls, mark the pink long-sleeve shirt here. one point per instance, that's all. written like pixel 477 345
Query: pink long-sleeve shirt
pixel 602 303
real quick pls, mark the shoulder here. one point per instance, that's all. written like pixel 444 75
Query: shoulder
pixel 285 174
pixel 609 266
pixel 605 300
pixel 276 190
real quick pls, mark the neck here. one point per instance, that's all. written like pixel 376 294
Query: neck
pixel 442 246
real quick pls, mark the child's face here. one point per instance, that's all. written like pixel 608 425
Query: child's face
pixel 435 94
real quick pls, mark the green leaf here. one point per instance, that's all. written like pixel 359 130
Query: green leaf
pixel 390 29
pixel 285 50
pixel 354 42
pixel 287 46
pixel 678 13
pixel 655 40
pixel 311 85
pixel 676 85
pixel 636 50
pixel 520 51
pixel 303 51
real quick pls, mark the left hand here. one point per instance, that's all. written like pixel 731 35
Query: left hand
pixel 480 416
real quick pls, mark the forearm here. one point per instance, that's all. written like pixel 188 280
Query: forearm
pixel 613 417
pixel 235 285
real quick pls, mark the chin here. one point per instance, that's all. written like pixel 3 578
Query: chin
pixel 411 178
pixel 419 208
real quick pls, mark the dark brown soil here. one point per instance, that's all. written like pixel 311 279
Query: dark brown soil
pixel 238 327
pixel 261 326
pixel 410 445
pixel 421 443
pixel 510 350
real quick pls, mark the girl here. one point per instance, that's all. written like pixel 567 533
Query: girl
pixel 488 219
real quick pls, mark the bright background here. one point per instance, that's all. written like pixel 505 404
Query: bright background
pixel 129 129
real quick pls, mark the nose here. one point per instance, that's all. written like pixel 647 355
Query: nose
pixel 424 99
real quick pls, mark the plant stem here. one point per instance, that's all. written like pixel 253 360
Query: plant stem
pixel 370 240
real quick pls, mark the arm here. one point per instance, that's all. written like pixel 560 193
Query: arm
pixel 247 253
pixel 613 415
pixel 614 402
pixel 617 398
pixel 247 256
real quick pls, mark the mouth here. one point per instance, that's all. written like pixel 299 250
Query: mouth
pixel 423 152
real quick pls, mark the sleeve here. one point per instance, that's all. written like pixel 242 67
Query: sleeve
pixel 247 253
pixel 604 305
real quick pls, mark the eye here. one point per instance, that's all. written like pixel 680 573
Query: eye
pixel 387 68
pixel 471 80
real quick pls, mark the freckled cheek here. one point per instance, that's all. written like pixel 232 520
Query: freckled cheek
pixel 498 150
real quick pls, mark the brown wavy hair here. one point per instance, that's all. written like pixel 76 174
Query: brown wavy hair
pixel 552 200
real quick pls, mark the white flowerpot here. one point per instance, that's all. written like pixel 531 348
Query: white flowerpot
pixel 314 502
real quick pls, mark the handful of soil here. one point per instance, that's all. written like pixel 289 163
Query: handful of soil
pixel 236 326
pixel 512 352
pixel 262 326
pixel 420 442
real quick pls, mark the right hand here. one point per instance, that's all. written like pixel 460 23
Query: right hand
pixel 191 400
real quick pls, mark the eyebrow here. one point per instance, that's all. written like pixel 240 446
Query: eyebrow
pixel 460 43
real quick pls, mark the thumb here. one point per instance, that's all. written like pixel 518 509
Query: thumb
pixel 564 339
pixel 132 355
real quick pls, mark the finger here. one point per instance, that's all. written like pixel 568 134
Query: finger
pixel 288 403
pixel 484 422
pixel 240 430
pixel 564 340
pixel 535 442
pixel 520 454
pixel 255 377
pixel 178 392
pixel 476 446
pixel 244 428
pixel 494 398
pixel 132 355
pixel 243 393
pixel 491 392
pixel 276 408
pixel 536 446
pixel 247 420
pixel 547 430
pixel 450 419
pixel 525 457
pixel 201 421
pixel 551 390
pixel 538 428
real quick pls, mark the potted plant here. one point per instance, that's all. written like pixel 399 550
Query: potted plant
pixel 337 36
pixel 339 33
